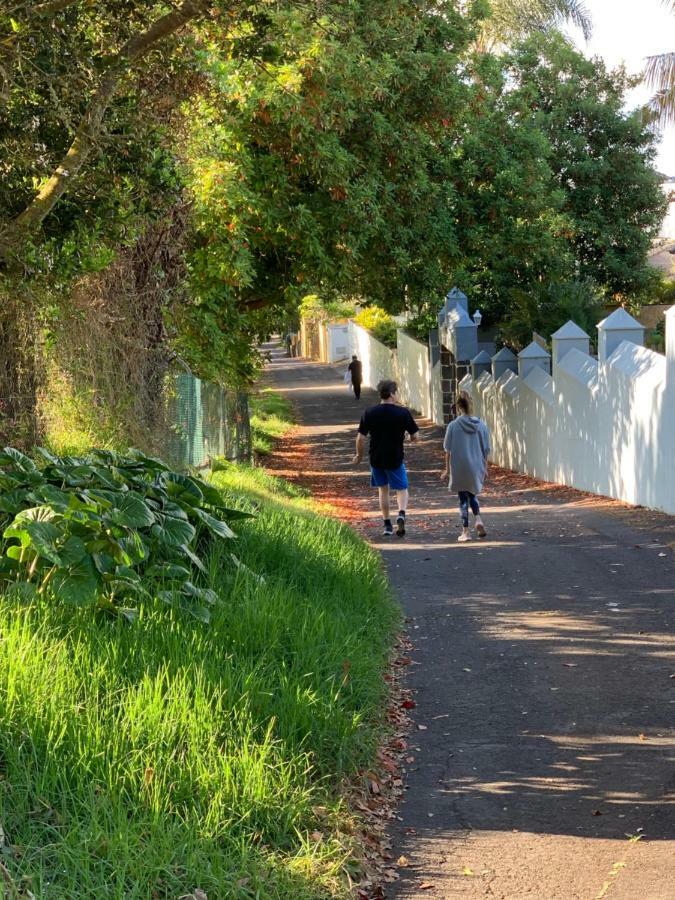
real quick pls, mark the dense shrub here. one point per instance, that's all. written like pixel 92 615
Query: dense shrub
pixel 315 307
pixel 107 531
pixel 379 323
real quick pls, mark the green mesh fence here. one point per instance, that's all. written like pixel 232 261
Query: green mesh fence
pixel 205 421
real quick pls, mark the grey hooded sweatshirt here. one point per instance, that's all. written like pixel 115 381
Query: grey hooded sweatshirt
pixel 467 440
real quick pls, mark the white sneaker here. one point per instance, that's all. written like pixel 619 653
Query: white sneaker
pixel 463 538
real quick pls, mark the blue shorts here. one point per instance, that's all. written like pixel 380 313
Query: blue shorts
pixel 397 479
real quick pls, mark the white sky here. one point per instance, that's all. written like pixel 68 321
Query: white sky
pixel 628 31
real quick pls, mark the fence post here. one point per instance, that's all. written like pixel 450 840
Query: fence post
pixel 618 327
pixel 504 361
pixel 479 364
pixel 533 357
pixel 569 337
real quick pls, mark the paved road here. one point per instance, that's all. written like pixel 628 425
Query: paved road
pixel 543 667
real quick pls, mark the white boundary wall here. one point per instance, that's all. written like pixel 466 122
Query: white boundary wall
pixel 378 361
pixel 408 365
pixel 414 374
pixel 605 428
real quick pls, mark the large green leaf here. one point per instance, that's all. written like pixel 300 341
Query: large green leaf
pixel 9 482
pixel 104 477
pixel 35 514
pixel 131 511
pixel 104 562
pixel 172 532
pixel 194 559
pixel 78 585
pixel 199 593
pixel 211 494
pixel 47 493
pixel 177 511
pixel 9 456
pixel 48 455
pixel 219 528
pixel 149 462
pixel 182 487
pixel 13 501
pixel 168 572
pixel 129 549
pixel 43 537
pixel 72 551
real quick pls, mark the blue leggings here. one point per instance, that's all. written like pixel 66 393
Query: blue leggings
pixel 466 499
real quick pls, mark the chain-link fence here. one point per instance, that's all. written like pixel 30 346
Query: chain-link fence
pixel 205 421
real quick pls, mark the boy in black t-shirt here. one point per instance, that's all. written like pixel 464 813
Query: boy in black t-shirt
pixel 387 424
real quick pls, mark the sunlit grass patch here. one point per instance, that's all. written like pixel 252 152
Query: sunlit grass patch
pixel 271 417
pixel 151 758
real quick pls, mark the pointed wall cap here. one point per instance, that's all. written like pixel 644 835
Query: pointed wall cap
pixel 533 351
pixel 457 317
pixel 455 294
pixel 569 330
pixel 504 354
pixel 619 320
pixel 483 357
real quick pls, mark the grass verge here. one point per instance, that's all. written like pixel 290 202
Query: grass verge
pixel 152 759
pixel 271 417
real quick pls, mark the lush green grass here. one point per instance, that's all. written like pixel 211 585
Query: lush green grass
pixel 149 759
pixel 271 418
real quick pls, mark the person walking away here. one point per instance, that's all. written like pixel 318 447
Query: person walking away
pixel 467 447
pixel 355 367
pixel 288 340
pixel 387 425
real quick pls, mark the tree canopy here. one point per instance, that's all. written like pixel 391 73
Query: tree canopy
pixel 372 149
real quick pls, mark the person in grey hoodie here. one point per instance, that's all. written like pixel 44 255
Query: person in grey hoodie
pixel 467 447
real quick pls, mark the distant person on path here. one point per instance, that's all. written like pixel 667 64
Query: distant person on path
pixel 387 424
pixel 467 447
pixel 288 340
pixel 356 369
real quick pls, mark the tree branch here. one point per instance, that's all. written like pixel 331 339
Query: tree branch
pixel 85 136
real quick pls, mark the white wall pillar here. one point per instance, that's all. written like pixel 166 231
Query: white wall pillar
pixel 616 328
pixel 569 337
pixel 533 357
pixel 504 361
pixel 670 351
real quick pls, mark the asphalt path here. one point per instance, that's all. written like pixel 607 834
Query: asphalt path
pixel 543 671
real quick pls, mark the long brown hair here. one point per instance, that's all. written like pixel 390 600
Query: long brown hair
pixel 464 404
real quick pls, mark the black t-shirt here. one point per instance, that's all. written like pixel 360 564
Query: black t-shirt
pixel 356 369
pixel 387 424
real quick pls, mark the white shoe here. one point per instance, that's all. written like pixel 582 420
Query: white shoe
pixel 464 537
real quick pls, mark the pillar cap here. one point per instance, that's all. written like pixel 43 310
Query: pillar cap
pixel 619 320
pixel 569 331
pixel 534 351
pixel 483 357
pixel 505 355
